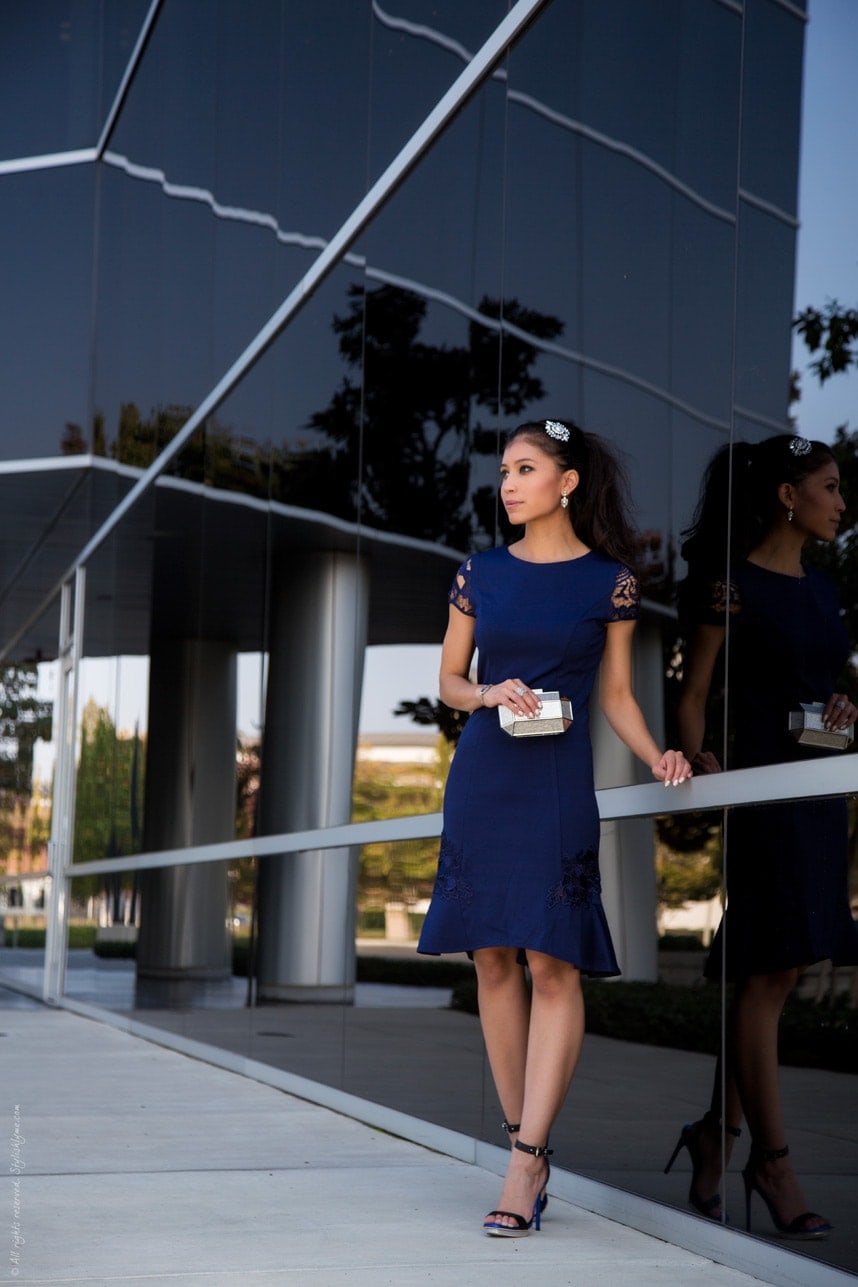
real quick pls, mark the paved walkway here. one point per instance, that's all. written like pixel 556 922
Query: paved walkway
pixel 132 1163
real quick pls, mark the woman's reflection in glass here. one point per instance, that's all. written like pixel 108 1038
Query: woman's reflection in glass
pixel 787 899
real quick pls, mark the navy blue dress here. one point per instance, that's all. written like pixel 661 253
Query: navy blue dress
pixel 787 882
pixel 519 857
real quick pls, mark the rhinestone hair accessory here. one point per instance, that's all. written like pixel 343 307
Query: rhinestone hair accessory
pixel 800 446
pixel 555 429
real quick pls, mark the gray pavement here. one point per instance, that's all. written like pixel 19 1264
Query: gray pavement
pixel 132 1162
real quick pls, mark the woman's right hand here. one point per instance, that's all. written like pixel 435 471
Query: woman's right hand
pixel 839 712
pixel 515 695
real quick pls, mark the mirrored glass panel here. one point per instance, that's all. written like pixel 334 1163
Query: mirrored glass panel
pixel 46 320
pixel 418 50
pixel 61 64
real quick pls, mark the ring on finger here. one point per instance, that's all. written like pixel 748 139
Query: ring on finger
pixel 519 691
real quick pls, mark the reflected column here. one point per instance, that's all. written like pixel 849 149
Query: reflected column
pixel 307 900
pixel 626 854
pixel 190 800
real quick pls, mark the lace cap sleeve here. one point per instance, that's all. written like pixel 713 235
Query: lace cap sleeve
pixel 460 590
pixel 625 596
pixel 721 599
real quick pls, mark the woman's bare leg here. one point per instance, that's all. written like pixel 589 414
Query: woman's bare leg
pixel 504 1017
pixel 554 1036
pixel 755 1016
pixel 715 1135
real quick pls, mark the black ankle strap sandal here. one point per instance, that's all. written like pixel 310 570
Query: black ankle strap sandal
pixel 535 1150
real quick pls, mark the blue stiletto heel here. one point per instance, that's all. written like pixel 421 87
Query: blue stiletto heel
pixel 689 1138
pixel 522 1227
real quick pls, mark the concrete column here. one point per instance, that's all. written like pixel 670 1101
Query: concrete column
pixel 190 800
pixel 307 901
pixel 626 854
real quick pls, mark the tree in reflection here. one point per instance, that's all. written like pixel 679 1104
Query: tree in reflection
pixel 399 443
pixel 406 427
pixel 25 717
pixel 108 805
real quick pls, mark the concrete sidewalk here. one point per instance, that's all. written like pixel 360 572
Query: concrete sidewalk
pixel 129 1162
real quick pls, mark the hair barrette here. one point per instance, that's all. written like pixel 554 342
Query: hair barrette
pixel 555 429
pixel 800 446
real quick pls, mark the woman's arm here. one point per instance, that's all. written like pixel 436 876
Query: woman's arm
pixel 622 711
pixel 702 653
pixel 454 686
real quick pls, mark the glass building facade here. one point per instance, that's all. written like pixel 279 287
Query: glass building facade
pixel 277 280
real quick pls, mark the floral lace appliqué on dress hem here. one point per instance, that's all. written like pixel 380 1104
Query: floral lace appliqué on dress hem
pixel 579 884
pixel 449 882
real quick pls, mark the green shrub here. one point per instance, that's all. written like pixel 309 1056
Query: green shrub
pixel 240 955
pixel 665 1014
pixel 371 921
pixel 115 949
pixel 22 936
pixel 680 943
pixel 410 973
pixel 81 936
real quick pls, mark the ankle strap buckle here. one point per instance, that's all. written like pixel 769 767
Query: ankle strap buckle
pixel 535 1150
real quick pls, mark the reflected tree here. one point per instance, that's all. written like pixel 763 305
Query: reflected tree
pixel 429 713
pixel 108 801
pixel 398 870
pixel 398 445
pixel 688 858
pixel 24 717
pixel 407 424
pixel 24 806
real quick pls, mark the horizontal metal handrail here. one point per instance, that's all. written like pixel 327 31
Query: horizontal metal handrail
pixel 820 778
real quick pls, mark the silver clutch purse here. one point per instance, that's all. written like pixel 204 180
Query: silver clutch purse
pixel 807 728
pixel 555 717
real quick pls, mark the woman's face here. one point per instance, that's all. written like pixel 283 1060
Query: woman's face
pixel 531 482
pixel 817 503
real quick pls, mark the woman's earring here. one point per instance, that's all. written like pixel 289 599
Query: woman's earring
pixel 564 500
pixel 790 514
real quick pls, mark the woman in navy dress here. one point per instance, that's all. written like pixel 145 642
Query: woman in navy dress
pixel 787 895
pixel 518 873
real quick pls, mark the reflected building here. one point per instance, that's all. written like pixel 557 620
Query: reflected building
pixel 276 283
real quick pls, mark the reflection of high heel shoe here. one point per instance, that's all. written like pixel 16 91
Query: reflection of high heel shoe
pixel 522 1227
pixel 796 1228
pixel 689 1138
pixel 513 1129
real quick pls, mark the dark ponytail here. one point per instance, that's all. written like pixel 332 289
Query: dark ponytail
pixel 742 480
pixel 599 507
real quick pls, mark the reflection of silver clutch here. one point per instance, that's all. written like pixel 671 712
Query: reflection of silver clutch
pixel 555 717
pixel 806 727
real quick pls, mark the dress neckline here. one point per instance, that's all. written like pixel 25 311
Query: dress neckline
pixel 548 563
pixel 787 576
